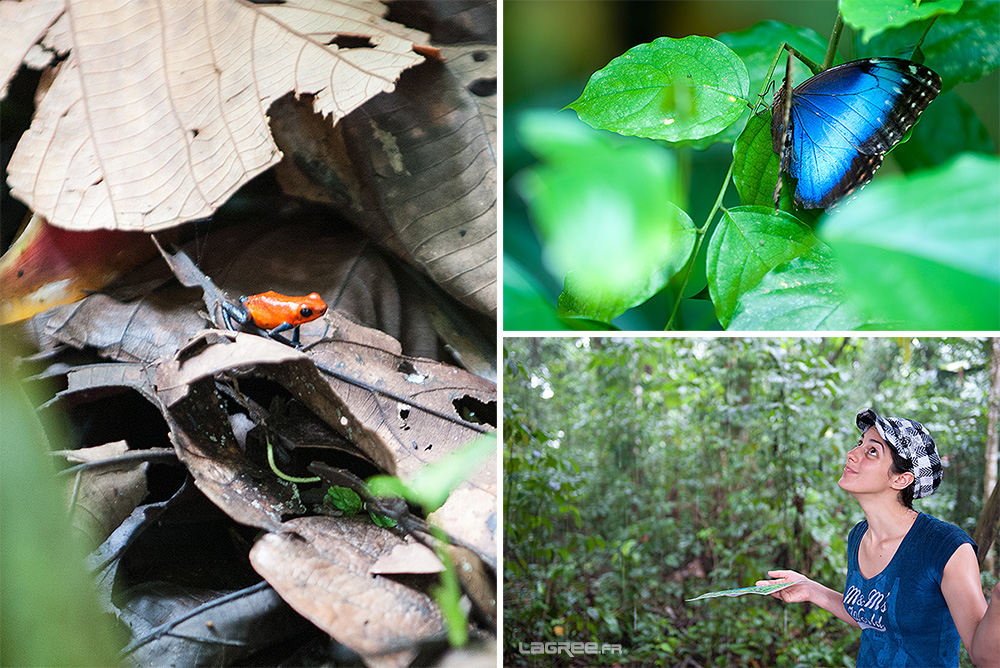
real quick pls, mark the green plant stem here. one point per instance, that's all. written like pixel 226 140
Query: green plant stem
pixel 277 472
pixel 700 232
pixel 831 47
pixel 920 41
pixel 448 592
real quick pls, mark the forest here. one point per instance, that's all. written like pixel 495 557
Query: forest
pixel 639 473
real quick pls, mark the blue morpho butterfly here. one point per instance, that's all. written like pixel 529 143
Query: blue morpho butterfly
pixel 842 121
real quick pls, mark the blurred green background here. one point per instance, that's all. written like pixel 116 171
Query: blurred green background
pixel 550 49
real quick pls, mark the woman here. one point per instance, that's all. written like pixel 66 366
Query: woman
pixel 912 580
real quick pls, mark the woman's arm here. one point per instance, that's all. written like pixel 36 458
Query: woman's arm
pixel 809 591
pixel 977 623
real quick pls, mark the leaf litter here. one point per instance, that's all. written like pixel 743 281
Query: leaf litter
pixel 396 412
pixel 351 396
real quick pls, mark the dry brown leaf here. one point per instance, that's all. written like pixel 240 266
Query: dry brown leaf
pixel 407 558
pixel 434 157
pixel 103 498
pixel 415 169
pixel 416 437
pixel 321 568
pixel 139 331
pixel 471 512
pixel 159 113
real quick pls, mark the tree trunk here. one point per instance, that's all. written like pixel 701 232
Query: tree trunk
pixel 986 528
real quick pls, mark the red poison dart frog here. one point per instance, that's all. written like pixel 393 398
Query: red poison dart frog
pixel 275 313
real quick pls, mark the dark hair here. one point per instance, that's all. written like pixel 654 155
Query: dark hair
pixel 901 464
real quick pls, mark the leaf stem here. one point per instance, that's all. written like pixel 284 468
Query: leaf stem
pixel 920 42
pixel 277 472
pixel 700 232
pixel 831 48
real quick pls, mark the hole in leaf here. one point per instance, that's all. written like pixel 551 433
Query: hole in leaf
pixel 483 87
pixel 412 375
pixel 476 411
pixel 348 41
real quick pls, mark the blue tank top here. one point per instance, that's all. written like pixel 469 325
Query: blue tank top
pixel 902 613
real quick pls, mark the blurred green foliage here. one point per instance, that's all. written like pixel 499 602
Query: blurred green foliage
pixel 641 472
pixel 49 614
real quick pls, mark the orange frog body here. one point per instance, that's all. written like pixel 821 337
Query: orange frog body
pixel 271 313
pixel 270 310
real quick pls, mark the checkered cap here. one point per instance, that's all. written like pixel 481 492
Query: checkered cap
pixel 912 441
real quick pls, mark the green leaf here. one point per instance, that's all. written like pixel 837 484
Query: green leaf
pixel 610 215
pixel 748 243
pixel 961 47
pixel 525 304
pixel 607 293
pixel 671 89
pixel 554 137
pixel 922 251
pixel 430 486
pixel 382 520
pixel 343 498
pixel 389 485
pixel 755 164
pixel 804 294
pixel 876 16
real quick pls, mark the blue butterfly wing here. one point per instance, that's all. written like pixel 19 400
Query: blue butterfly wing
pixel 844 119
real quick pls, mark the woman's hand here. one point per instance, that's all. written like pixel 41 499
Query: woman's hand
pixel 797 593
pixel 806 590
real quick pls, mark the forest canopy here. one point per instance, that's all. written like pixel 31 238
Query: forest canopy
pixel 642 472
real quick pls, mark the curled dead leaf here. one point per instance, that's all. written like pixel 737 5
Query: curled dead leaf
pixel 321 566
pixel 159 113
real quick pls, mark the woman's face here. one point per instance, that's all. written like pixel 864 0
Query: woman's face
pixel 867 468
